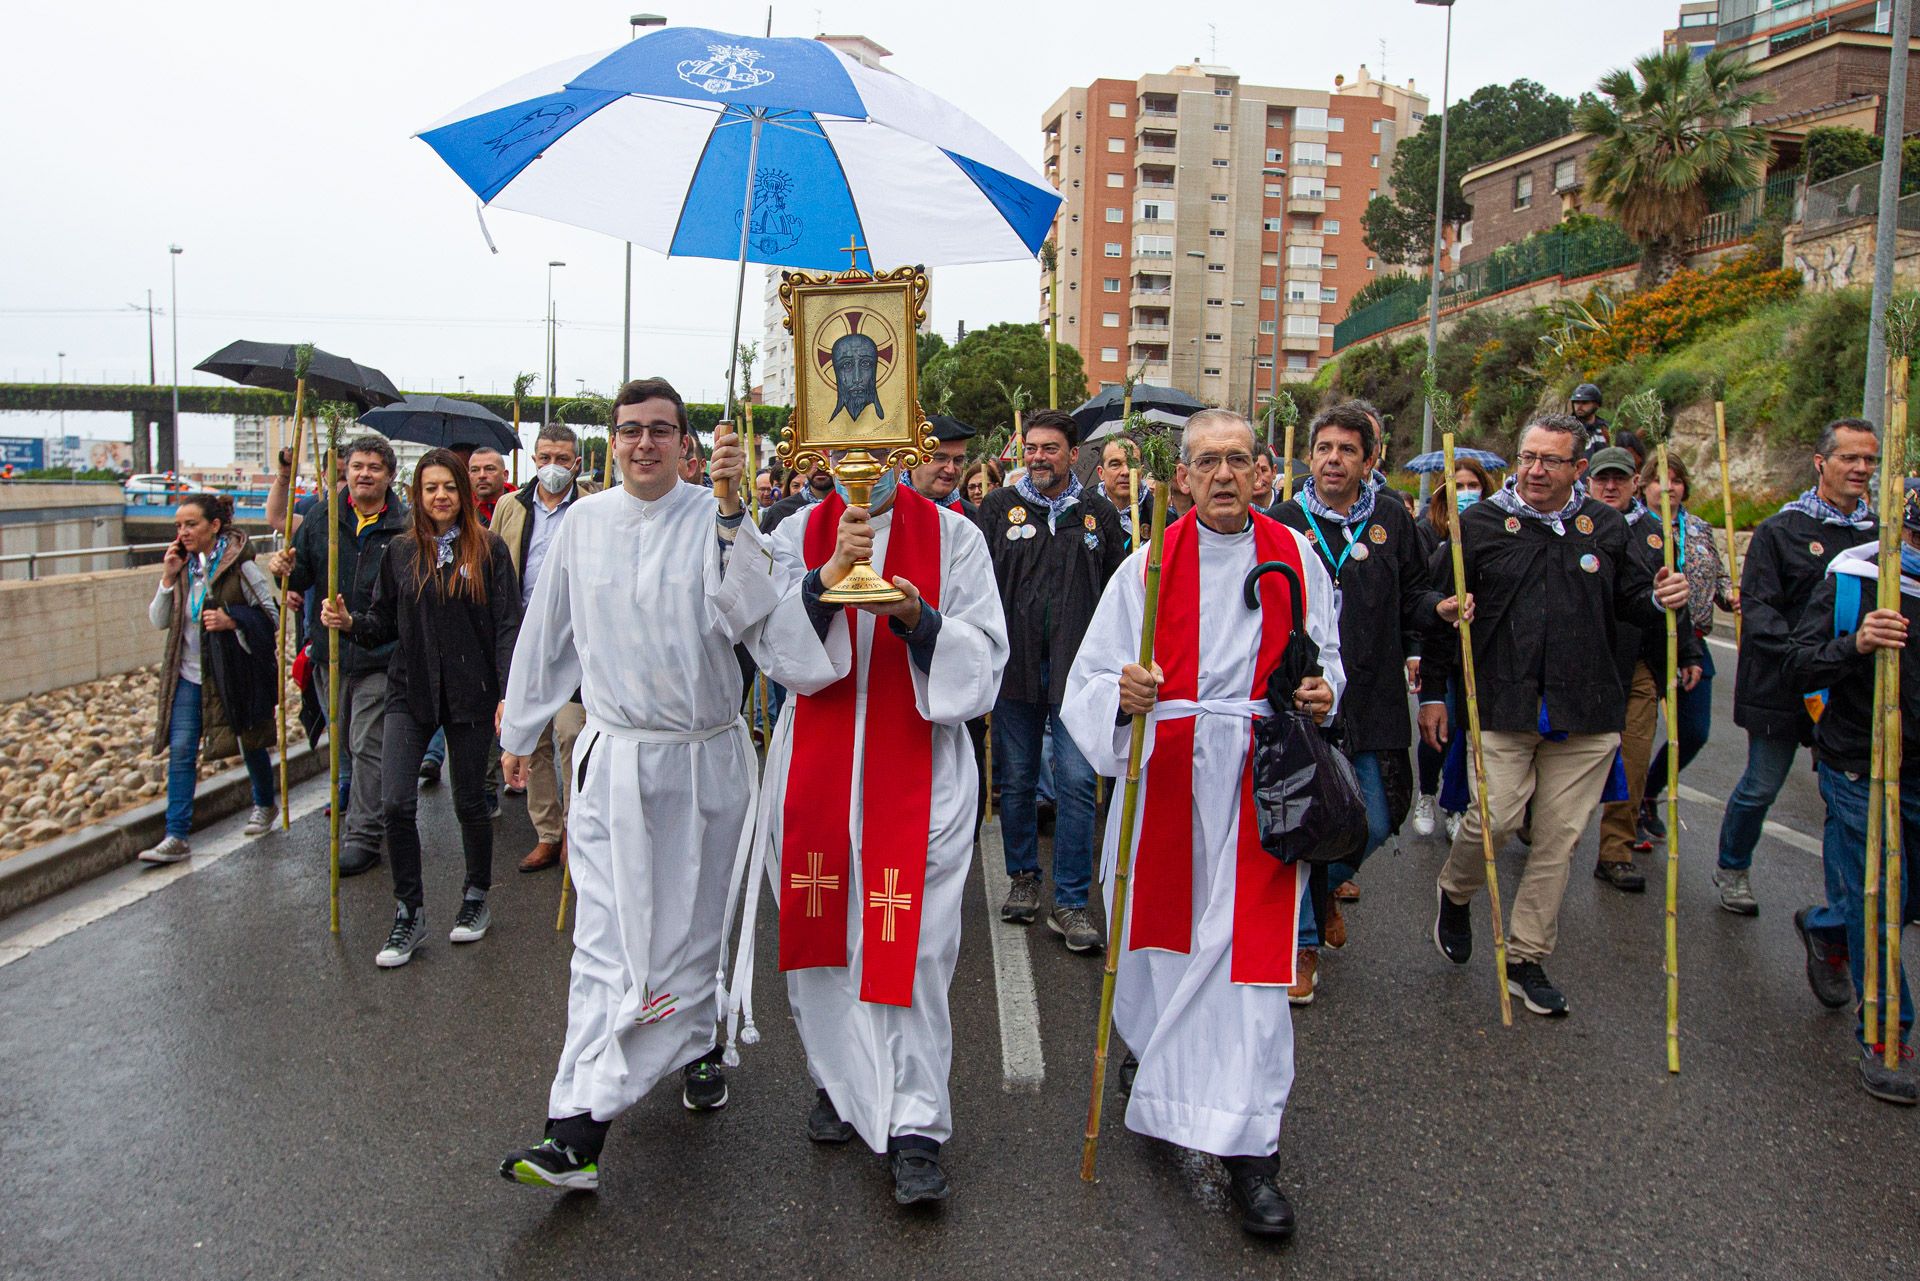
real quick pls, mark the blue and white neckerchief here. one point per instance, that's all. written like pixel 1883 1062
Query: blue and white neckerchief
pixel 1507 499
pixel 443 547
pixel 1053 506
pixel 1811 504
pixel 1352 524
pixel 200 571
pixel 1636 512
pixel 1909 561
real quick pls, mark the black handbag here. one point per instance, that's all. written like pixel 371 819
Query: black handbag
pixel 1305 794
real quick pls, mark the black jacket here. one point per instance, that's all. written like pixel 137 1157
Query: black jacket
pixel 772 514
pixel 1386 600
pixel 360 558
pixel 1817 659
pixel 1545 615
pixel 1784 563
pixel 453 652
pixel 244 674
pixel 1634 644
pixel 1049 584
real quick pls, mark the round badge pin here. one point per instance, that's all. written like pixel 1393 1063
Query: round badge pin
pixel 1028 531
pixel 1653 541
pixel 1360 551
pixel 1583 523
pixel 1816 549
pixel 1590 563
pixel 1017 516
pixel 1013 533
pixel 1513 524
pixel 1377 535
pixel 1089 521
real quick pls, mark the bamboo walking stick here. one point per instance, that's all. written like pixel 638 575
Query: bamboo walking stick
pixel 566 882
pixel 1671 698
pixel 1123 859
pixel 1894 461
pixel 303 359
pixel 1726 517
pixel 1286 472
pixel 332 514
pixel 1473 733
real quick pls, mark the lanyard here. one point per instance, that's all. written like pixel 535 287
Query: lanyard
pixel 1680 540
pixel 1353 536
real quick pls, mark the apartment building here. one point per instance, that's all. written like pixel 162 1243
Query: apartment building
pixel 1210 225
pixel 1823 62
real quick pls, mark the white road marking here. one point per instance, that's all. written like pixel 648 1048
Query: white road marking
pixel 209 847
pixel 1022 1067
pixel 1727 645
pixel 1778 831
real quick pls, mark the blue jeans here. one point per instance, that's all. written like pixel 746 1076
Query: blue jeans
pixel 183 762
pixel 1021 730
pixel 1373 790
pixel 436 749
pixel 1843 848
pixel 1694 718
pixel 1769 761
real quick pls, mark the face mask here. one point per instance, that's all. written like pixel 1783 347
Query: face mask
pixel 554 478
pixel 882 491
pixel 1465 498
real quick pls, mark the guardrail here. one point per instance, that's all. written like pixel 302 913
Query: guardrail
pixel 129 550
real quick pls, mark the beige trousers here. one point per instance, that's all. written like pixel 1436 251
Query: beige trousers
pixel 548 788
pixel 1564 781
pixel 1620 820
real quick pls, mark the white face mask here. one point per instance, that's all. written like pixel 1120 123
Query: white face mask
pixel 554 478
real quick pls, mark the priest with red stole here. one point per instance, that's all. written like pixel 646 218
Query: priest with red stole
pixel 1201 996
pixel 870 896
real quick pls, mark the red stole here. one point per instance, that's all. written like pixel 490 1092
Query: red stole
pixel 896 783
pixel 1266 899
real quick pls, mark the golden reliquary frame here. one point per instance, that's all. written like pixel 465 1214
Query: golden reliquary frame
pixel 873 423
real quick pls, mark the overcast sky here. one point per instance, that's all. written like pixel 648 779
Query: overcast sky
pixel 273 142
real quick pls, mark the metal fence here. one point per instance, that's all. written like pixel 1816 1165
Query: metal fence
pixel 1852 197
pixel 131 553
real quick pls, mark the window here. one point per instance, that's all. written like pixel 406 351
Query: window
pixel 1297 290
pixel 1109 320
pixel 1326 330
pixel 1564 176
pixel 1219 198
pixel 1109 353
pixel 1211 373
pixel 1309 117
pixel 1219 232
pixel 1216 266
pixel 1268 293
pixel 1334 158
pixel 1331 226
pixel 1118 110
pixel 1699 19
pixel 1418 116
pixel 1303 256
pixel 1116 180
pixel 1115 249
pixel 1330 261
pixel 1276 156
pixel 1523 191
pixel 1273 189
pixel 1296 361
pixel 1270 260
pixel 1370 266
pixel 1223 128
pixel 1156 211
pixel 1329 294
pixel 1269 224
pixel 1152 247
pixel 1373 161
pixel 1377 124
pixel 1266 326
pixel 1076 184
pixel 1073 217
pixel 1076 148
pixel 1219 92
pixel 1117 145
pixel 1220 164
pixel 1303 327
pixel 1372 192
pixel 1265 362
pixel 1213 338
pixel 1309 153
pixel 1310 187
pixel 1336 125
pixel 1110 285
pixel 1333 193
pixel 1216 302
pixel 1116 215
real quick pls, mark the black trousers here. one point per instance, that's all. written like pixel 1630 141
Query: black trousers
pixel 404 747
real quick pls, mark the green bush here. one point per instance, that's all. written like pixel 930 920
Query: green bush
pixel 1677 386
pixel 1830 151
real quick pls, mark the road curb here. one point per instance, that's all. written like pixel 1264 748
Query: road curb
pixel 61 864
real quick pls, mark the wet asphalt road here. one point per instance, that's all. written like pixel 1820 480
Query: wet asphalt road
pixel 205 1083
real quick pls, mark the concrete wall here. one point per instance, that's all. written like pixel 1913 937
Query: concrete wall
pixel 78 627
pixel 1841 256
pixel 38 517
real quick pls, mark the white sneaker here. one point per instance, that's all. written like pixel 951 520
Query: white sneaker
pixel 170 850
pixel 1453 827
pixel 1423 815
pixel 474 921
pixel 409 931
pixel 259 820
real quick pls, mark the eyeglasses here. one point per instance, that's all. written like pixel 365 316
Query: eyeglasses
pixel 1855 460
pixel 630 434
pixel 1547 461
pixel 1207 464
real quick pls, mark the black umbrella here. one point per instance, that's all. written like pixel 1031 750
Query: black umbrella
pixel 1109 402
pixel 443 422
pixel 329 377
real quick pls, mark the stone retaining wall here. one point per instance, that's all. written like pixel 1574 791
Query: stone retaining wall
pixel 64 631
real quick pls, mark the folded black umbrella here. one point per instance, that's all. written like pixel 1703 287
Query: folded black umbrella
pixel 443 422
pixel 1109 402
pixel 329 377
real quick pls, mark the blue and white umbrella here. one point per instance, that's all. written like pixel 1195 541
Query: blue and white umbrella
pixel 669 139
pixel 1437 460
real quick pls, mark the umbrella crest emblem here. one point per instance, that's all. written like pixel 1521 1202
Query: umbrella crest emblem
pixel 774 229
pixel 535 124
pixel 728 68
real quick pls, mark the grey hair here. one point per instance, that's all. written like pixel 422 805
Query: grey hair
pixel 560 432
pixel 1830 434
pixel 1564 424
pixel 1211 418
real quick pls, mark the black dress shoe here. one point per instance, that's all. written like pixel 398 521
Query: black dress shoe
pixel 1624 877
pixel 824 1124
pixel 1129 1068
pixel 1263 1210
pixel 354 862
pixel 917 1176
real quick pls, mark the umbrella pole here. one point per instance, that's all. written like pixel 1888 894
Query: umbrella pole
pixel 740 286
pixel 1726 516
pixel 1672 700
pixel 518 445
pixel 333 687
pixel 280 648
pixel 1473 731
pixel 1123 862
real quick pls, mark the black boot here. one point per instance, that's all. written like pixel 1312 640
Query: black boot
pixel 824 1124
pixel 1129 1068
pixel 917 1176
pixel 1263 1210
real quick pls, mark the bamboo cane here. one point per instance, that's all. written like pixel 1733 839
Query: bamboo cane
pixel 1671 700
pixel 1286 469
pixel 332 514
pixel 1123 861
pixel 566 882
pixel 1726 517
pixel 1892 505
pixel 280 646
pixel 1473 732
pixel 986 770
pixel 1133 500
pixel 1886 702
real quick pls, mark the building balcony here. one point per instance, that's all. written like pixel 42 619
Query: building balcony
pixel 1159 335
pixel 1167 150
pixel 1306 204
pixel 1151 297
pixel 1158 184
pixel 1299 342
pixel 1152 261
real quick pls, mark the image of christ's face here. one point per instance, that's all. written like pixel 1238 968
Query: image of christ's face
pixel 856 360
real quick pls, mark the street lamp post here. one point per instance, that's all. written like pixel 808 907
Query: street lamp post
pixel 635 24
pixel 1279 276
pixel 171 440
pixel 1241 302
pixel 1439 224
pixel 552 355
pixel 60 376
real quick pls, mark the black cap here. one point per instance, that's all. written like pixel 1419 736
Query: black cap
pixel 947 427
pixel 1585 391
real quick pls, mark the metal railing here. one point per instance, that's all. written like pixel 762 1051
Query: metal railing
pixel 129 550
pixel 1841 199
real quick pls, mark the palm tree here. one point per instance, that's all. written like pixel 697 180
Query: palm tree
pixel 1666 141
